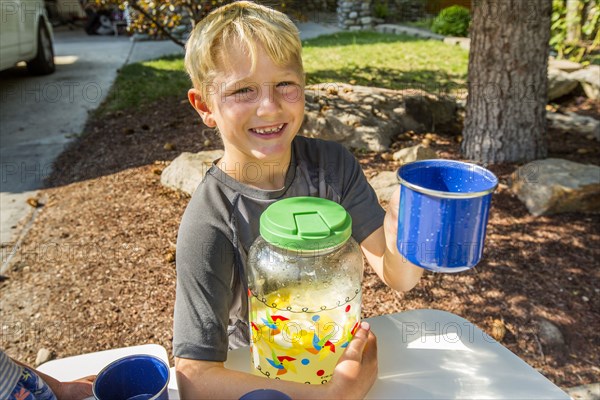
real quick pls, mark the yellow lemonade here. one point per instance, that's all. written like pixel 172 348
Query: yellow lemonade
pixel 300 335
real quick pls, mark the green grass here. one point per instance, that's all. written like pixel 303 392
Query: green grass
pixel 424 23
pixel 365 58
pixel 145 82
pixel 386 60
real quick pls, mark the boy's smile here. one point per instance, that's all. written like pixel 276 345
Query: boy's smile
pixel 268 130
pixel 258 111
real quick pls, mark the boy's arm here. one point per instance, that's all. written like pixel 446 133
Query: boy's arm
pixel 360 200
pixel 74 390
pixel 380 250
pixel 353 376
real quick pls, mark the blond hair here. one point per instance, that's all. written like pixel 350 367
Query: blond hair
pixel 249 24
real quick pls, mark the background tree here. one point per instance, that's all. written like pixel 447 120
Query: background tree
pixel 507 81
pixel 170 18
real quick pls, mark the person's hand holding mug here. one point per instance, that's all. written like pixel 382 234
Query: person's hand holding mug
pixel 75 390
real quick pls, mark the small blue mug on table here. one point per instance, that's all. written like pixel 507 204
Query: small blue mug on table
pixel 135 377
pixel 443 213
pixel 265 394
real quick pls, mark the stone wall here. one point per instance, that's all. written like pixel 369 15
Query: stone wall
pixel 404 10
pixel 355 15
pixel 315 5
pixel 365 14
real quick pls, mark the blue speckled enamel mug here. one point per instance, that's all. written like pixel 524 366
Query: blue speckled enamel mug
pixel 443 213
pixel 265 394
pixel 135 377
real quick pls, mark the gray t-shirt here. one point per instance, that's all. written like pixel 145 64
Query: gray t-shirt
pixel 222 221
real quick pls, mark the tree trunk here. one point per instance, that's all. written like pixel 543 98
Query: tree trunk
pixel 508 62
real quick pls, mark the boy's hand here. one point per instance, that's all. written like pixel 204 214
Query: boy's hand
pixel 356 370
pixel 76 390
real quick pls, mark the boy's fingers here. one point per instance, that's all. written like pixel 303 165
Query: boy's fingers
pixel 370 350
pixel 356 347
pixel 89 378
pixel 357 368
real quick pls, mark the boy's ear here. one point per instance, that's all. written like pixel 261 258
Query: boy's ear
pixel 195 98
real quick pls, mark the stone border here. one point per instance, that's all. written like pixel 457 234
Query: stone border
pixel 408 30
pixel 423 33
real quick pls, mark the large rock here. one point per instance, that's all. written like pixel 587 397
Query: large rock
pixel 414 153
pixel 367 117
pixel 187 171
pixel 436 114
pixel 589 78
pixel 560 83
pixel 554 186
pixel 463 42
pixel 386 182
pixel 574 123
pixel 564 65
pixel 585 392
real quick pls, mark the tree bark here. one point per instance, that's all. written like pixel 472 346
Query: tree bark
pixel 507 81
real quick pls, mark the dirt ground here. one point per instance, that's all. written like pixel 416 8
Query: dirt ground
pixel 97 271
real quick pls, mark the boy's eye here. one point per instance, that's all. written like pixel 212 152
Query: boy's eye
pixel 243 90
pixel 291 91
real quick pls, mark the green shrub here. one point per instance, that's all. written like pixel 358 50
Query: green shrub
pixel 380 9
pixel 452 21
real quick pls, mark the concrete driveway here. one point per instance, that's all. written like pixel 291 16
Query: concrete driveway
pixel 40 115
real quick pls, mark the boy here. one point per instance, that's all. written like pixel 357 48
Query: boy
pixel 245 64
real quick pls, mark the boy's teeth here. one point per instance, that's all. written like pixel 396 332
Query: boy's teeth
pixel 268 130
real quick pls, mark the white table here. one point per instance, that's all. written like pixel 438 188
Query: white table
pixel 71 368
pixel 423 354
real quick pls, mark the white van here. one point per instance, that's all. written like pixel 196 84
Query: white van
pixel 26 35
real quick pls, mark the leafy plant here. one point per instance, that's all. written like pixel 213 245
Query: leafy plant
pixel 581 50
pixel 452 21
pixel 380 9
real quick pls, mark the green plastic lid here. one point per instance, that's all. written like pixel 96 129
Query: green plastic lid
pixel 305 223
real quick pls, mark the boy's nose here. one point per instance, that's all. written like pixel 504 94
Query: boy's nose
pixel 269 103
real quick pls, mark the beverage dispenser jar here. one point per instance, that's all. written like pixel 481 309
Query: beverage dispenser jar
pixel 304 289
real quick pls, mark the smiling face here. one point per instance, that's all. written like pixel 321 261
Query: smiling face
pixel 258 110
